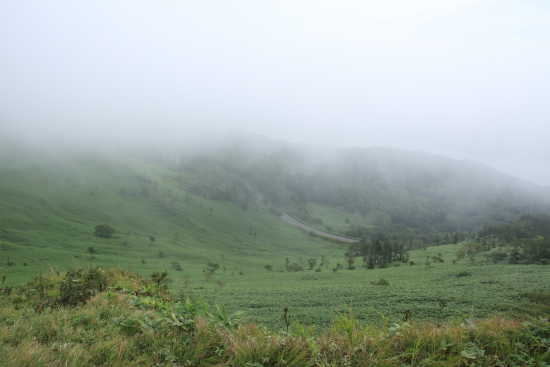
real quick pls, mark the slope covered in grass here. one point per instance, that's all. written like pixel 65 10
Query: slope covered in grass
pixel 53 200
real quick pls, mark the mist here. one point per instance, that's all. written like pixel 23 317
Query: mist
pixel 466 79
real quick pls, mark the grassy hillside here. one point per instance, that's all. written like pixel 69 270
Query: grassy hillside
pixel 384 186
pixel 171 212
pixel 52 201
pixel 197 212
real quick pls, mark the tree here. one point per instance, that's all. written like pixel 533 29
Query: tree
pixel 311 262
pixel 220 283
pixel 152 239
pixel 472 248
pixel 104 230
pixel 159 278
pixel 176 265
pixel 92 251
pixel 381 218
pixel 207 274
pixel 350 259
pixel 212 267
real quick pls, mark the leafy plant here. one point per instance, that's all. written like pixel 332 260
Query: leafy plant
pixel 381 281
pixel 225 320
pixel 159 278
pixel 104 230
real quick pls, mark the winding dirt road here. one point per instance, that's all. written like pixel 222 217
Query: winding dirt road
pixel 296 223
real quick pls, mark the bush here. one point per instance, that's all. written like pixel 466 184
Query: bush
pixel 381 281
pixel 104 230
pixel 294 267
pixel 463 274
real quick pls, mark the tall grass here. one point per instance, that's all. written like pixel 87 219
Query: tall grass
pixel 117 328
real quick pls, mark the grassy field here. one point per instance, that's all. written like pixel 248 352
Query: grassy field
pixel 111 317
pixel 51 205
pixel 315 297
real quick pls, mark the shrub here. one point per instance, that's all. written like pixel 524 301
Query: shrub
pixel 381 281
pixel 104 230
pixel 80 285
pixel 294 267
pixel 463 274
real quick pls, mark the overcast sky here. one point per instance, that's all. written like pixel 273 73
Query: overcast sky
pixel 459 78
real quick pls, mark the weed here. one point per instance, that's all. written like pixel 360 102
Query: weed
pixel 381 281
pixel 286 318
pixel 442 304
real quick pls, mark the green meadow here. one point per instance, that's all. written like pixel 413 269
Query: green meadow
pixel 230 250
pixel 51 204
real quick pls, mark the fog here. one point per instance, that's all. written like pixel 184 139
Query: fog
pixel 457 78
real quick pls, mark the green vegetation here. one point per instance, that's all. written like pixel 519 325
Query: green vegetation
pixel 526 240
pixel 104 230
pixel 405 294
pixel 121 319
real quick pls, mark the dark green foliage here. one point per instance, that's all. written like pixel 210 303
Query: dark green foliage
pixel 73 288
pixel 381 281
pixel 159 278
pixel 212 267
pixel 80 285
pixel 176 265
pixel 104 230
pixel 527 238
pixel 379 253
pixel 463 274
pixel 91 251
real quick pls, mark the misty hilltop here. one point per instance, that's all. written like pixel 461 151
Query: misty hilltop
pixel 358 192
pixel 387 186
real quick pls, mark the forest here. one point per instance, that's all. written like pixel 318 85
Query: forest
pixel 397 191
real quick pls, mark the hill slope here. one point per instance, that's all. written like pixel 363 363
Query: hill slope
pixel 216 204
pixel 384 186
pixel 52 201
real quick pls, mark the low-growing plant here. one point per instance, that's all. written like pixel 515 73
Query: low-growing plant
pixel 381 281
pixel 463 273
pixel 121 326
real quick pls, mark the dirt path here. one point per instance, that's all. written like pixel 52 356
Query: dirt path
pixel 296 223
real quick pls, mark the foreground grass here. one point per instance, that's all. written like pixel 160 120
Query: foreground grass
pixel 111 317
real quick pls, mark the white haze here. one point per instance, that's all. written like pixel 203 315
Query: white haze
pixel 458 78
